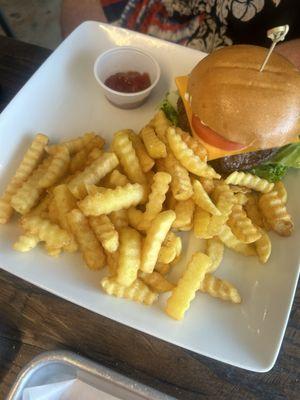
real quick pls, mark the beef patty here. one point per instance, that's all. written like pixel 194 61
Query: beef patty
pixel 228 164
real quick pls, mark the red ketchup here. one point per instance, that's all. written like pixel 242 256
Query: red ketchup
pixel 128 82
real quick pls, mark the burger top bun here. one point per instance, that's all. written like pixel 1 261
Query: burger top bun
pixel 230 96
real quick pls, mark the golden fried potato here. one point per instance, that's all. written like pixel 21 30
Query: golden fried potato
pixel 156 234
pixel 89 246
pixel 249 181
pixel 26 243
pixel 187 157
pixel 232 242
pixel 275 213
pixel 125 151
pixel 162 268
pixel 73 145
pixel 30 161
pixel 194 144
pixel 181 185
pixel 65 202
pixel 57 169
pixel 263 246
pixel 154 146
pixel 242 226
pixel 78 161
pixel 220 289
pixel 134 217
pixel 188 284
pixel 116 178
pixel 92 174
pixel 184 211
pixel 119 218
pixel 281 191
pixel 207 183
pixel 156 199
pixel 138 291
pixel 160 123
pixel 46 231
pixel 112 199
pixel 112 260
pixel 157 282
pixel 105 232
pixel 129 256
pixel 202 199
pixel 252 210
pixel 93 155
pixel 166 254
pixel 145 160
pixel 215 251
pixel 28 194
pixel 201 223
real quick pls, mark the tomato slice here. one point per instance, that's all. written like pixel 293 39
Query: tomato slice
pixel 211 137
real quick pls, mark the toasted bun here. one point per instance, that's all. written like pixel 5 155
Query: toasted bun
pixel 231 96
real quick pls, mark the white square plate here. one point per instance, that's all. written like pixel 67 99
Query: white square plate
pixel 63 100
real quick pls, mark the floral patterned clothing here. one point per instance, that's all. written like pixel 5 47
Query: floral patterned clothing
pixel 206 24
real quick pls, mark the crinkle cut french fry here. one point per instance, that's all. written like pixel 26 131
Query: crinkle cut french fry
pixel 73 145
pixel 46 231
pixel 201 223
pixel 207 183
pixel 92 174
pixel 52 251
pixel 157 282
pixel 42 208
pixel 281 191
pixel 154 146
pixel 125 151
pixel 263 247
pixel 93 155
pixel 134 217
pixel 252 210
pixel 27 196
pixel 26 242
pixel 166 254
pixel 105 232
pixel 194 144
pixel 112 260
pixel 220 288
pixel 156 234
pixel 145 160
pixel 97 142
pixel 89 246
pixel 202 199
pixel 242 226
pixel 156 199
pixel 78 161
pixel 119 219
pixel 52 212
pixel 224 200
pixel 184 211
pixel 58 167
pixel 162 268
pixel 215 251
pixel 138 291
pixel 187 157
pixel 112 199
pixel 250 181
pixel 160 123
pixel 31 159
pixel 181 185
pixel 67 203
pixel 116 178
pixel 232 242
pixel 173 241
pixel 275 212
pixel 188 284
pixel 241 198
pixel 129 256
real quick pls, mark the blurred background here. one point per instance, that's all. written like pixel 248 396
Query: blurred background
pixel 33 21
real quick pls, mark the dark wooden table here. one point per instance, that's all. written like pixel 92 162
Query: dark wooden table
pixel 33 321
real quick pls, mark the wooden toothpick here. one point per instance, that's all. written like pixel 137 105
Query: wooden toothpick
pixel 276 35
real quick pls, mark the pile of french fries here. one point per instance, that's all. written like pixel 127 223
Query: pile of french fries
pixel 123 209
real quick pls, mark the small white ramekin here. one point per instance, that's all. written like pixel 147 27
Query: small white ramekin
pixel 124 59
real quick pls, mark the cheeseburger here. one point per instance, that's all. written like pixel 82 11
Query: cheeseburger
pixel 246 119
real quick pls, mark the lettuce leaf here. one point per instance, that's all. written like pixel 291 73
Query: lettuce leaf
pixel 275 168
pixel 169 110
pixel 270 172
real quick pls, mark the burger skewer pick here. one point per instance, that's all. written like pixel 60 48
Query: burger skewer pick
pixel 276 35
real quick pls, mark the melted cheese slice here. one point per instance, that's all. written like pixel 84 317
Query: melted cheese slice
pixel 212 152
